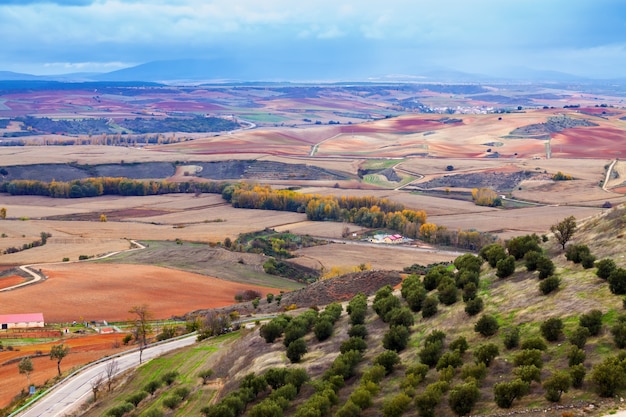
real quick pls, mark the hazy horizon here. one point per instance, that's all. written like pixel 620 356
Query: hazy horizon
pixel 351 38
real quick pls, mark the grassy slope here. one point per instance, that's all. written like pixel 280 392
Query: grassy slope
pixel 202 259
pixel 515 301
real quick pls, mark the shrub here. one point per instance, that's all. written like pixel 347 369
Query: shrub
pixel 588 261
pixel 353 343
pixel 552 329
pixel 361 397
pixel 478 371
pixel 435 336
pixel 617 281
pixel 396 338
pixel 605 267
pixel 323 329
pixel 388 359
pixel 511 338
pixel 463 397
pixel 579 337
pixel 545 266
pixel 528 357
pixel 549 284
pixel 576 356
pixel 506 392
pixel 374 374
pixel 619 332
pixel 119 410
pixel 505 267
pixel 127 338
pixel 349 409
pixel 384 306
pixel 534 343
pixel 415 298
pixel 486 353
pixel 459 344
pixel 169 377
pixel 492 253
pixel 429 306
pixel 558 383
pixel 447 293
pixel 575 253
pixel 431 352
pixel 401 317
pixel 487 325
pixel 296 377
pixel 592 321
pixel 530 260
pixel 468 262
pixel 154 412
pixel 475 306
pixel 358 330
pixel 519 246
pixel 470 291
pixel 266 408
pixel 397 405
pixel 608 377
pixel 182 392
pixel 452 359
pixel 172 401
pixel 577 372
pixel 254 383
pixel 152 386
pixel 426 401
pixel 275 377
pixel 272 330
pixel 297 349
pixel 137 397
pixel 528 373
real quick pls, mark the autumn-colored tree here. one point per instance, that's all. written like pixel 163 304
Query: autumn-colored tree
pixel 3 213
pixel 428 231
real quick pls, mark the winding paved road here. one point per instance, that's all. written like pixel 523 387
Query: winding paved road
pixel 69 394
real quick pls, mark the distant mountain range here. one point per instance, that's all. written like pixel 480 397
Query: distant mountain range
pixel 196 71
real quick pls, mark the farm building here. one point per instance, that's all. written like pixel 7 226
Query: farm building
pixel 21 321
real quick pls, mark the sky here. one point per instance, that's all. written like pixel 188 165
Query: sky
pixel 365 38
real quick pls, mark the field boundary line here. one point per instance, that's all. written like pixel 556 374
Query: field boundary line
pixel 39 276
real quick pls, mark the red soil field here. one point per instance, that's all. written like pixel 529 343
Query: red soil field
pixel 84 291
pixel 589 142
pixel 83 349
pixel 10 281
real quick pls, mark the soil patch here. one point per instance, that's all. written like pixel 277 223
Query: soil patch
pixel 10 281
pixel 106 292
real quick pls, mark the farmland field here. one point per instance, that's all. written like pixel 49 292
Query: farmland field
pixel 327 141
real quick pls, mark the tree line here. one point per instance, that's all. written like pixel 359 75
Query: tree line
pixel 366 211
pixel 94 187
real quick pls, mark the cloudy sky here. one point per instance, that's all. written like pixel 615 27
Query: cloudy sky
pixel 362 37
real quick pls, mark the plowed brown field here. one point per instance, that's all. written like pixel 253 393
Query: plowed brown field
pixel 92 291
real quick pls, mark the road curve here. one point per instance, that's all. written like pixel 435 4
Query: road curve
pixel 66 396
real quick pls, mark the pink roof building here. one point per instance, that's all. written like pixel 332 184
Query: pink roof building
pixel 21 321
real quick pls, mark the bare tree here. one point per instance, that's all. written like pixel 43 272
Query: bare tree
pixel 141 326
pixel 96 383
pixel 110 370
pixel 58 352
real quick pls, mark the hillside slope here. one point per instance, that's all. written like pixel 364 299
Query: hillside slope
pixel 411 389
